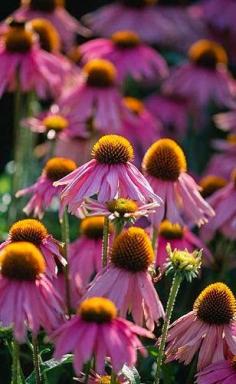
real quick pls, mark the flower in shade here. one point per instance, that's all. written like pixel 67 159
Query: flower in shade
pixel 206 330
pixel 210 184
pixel 126 280
pixel 57 122
pixel 22 59
pixel 109 175
pixel 223 162
pixel 85 254
pixel 165 167
pixel 43 191
pixel 204 78
pixel 96 96
pixel 95 378
pixel 28 300
pixel 33 231
pixel 224 221
pixel 139 16
pixel 135 117
pixel 49 39
pixel 172 111
pixel 222 372
pixel 125 210
pixel 226 121
pixel 130 56
pixel 53 11
pixel 96 332
pixel 180 238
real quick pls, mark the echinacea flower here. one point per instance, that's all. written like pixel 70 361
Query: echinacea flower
pixel 96 97
pixel 135 117
pixel 224 221
pixel 210 184
pixel 165 167
pixel 96 332
pixel 95 378
pixel 222 163
pixel 204 78
pixel 139 16
pixel 180 238
pixel 85 254
pixel 28 300
pixel 22 60
pixel 130 56
pixel 172 111
pixel 109 175
pixel 52 10
pixel 206 330
pixel 49 39
pixel 126 280
pixel 33 231
pixel 226 121
pixel 57 122
pixel 126 210
pixel 222 372
pixel 43 191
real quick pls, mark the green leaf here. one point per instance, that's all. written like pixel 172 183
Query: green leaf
pixel 131 374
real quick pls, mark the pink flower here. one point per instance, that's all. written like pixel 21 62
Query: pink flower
pixel 134 119
pixel 58 122
pixel 223 163
pixel 85 254
pixel 226 121
pixel 224 221
pixel 119 209
pixel 96 331
pixel 44 192
pixel 33 231
pixel 109 175
pixel 205 78
pixel 206 330
pixel 75 147
pixel 130 56
pixel 141 17
pixel 126 280
pixel 66 25
pixel 172 111
pixel 28 300
pixel 22 59
pixel 222 372
pixel 164 165
pixel 95 98
pixel 180 238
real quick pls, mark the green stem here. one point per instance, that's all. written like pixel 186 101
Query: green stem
pixel 113 378
pixel 154 237
pixel 65 234
pixel 169 309
pixel 16 369
pixel 36 360
pixel 119 225
pixel 105 242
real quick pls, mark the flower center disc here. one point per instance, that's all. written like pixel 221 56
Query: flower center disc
pixel 132 250
pixel 56 123
pixel 21 261
pixel 113 149
pixel 29 230
pixel 164 160
pixel 170 231
pixel 92 227
pixel 97 310
pixel 18 39
pixel 207 54
pixel 216 304
pixel 58 167
pixel 134 105
pixel 126 39
pixel 211 184
pixel 100 73
pixel 122 206
pixel 48 36
pixel 138 3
